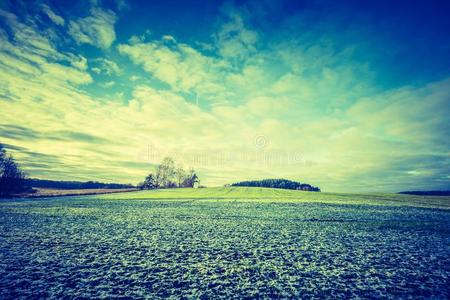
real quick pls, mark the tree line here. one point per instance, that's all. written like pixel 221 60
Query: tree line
pixel 427 193
pixel 74 185
pixel 278 184
pixel 168 175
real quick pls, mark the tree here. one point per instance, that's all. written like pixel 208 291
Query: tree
pixel 11 177
pixel 180 175
pixel 191 179
pixel 165 173
pixel 169 176
pixel 149 183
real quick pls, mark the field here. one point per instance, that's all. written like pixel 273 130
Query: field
pixel 225 243
pixel 48 192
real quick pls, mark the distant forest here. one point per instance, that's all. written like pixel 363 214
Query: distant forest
pixel 278 184
pixel 427 193
pixel 73 185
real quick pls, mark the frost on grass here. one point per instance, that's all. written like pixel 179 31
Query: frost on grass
pixel 84 247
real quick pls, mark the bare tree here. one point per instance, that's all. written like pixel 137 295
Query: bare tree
pixel 180 175
pixel 169 176
pixel 11 177
pixel 165 173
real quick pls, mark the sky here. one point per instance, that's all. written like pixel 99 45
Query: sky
pixel 344 95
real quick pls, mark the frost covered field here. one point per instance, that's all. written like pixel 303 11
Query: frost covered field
pixel 225 242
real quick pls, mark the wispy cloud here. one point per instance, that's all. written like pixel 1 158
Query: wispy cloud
pixel 52 15
pixel 106 66
pixel 234 40
pixel 179 65
pixel 96 29
pixel 79 62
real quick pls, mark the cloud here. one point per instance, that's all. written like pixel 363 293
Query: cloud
pixel 58 20
pixel 13 148
pixel 108 84
pixel 79 62
pixel 77 136
pixel 122 5
pixel 234 39
pixel 421 125
pixel 61 72
pixel 106 66
pixel 32 52
pixel 26 133
pixel 179 65
pixel 17 132
pixel 28 38
pixel 96 29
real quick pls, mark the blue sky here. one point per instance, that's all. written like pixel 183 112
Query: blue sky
pixel 348 95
